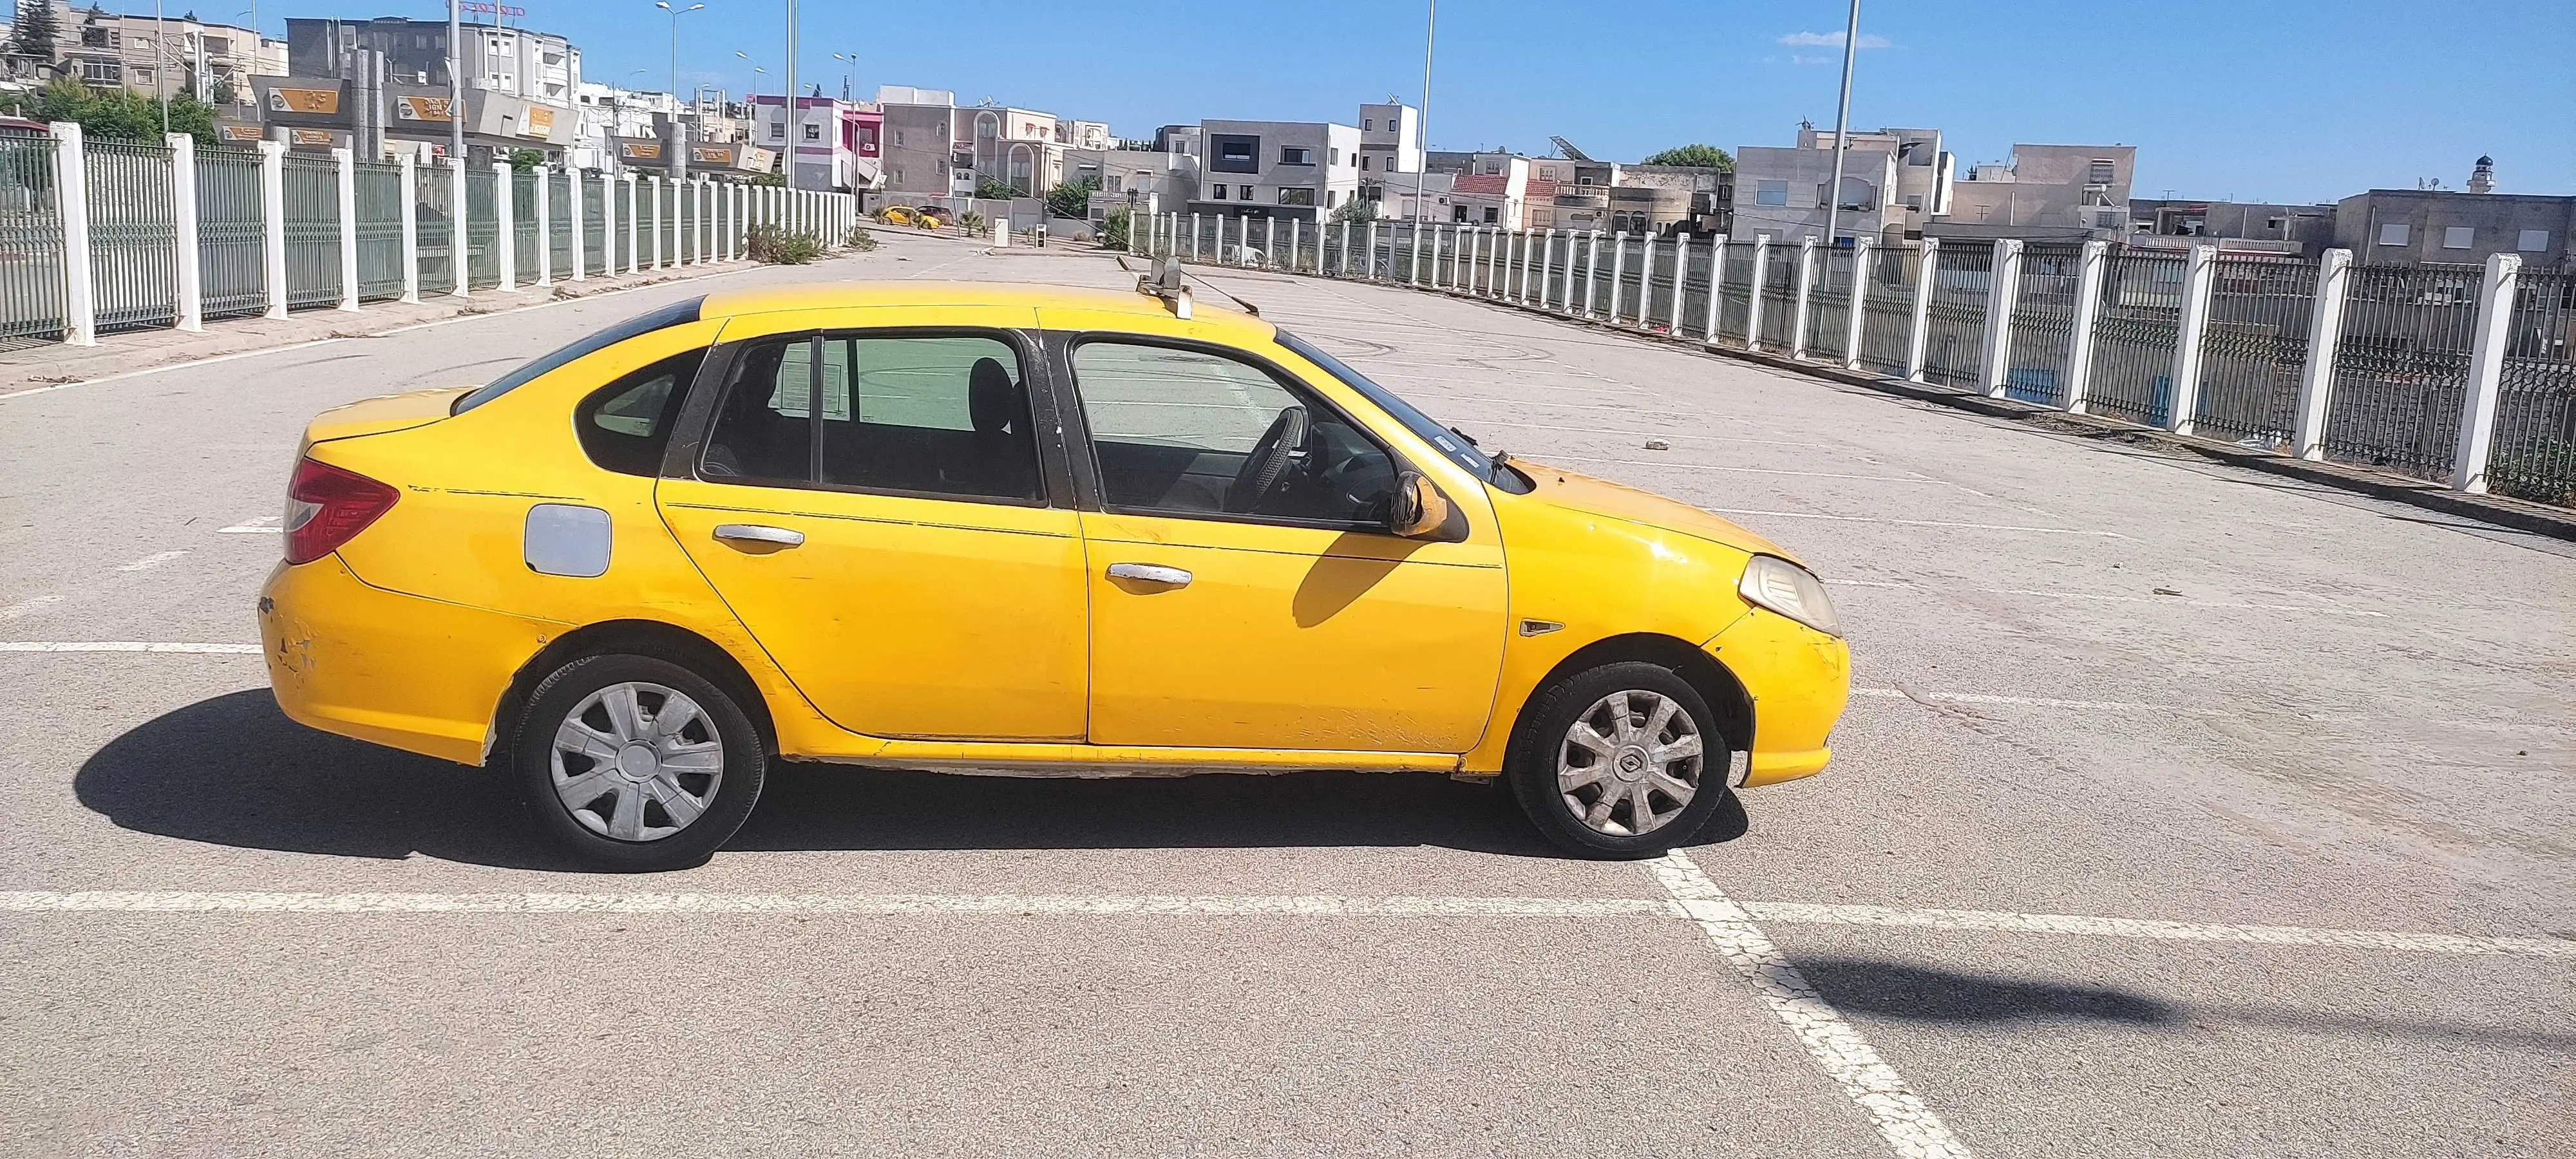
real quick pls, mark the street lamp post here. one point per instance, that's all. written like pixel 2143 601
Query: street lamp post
pixel 1422 126
pixel 1842 128
pixel 788 145
pixel 679 160
pixel 852 60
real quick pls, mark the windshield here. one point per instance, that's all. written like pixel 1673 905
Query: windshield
pixel 1448 442
pixel 675 314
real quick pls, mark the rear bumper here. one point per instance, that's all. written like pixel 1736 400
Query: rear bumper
pixel 1799 680
pixel 415 674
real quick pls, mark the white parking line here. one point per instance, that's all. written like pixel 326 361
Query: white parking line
pixel 28 605
pixel 2178 601
pixel 1799 913
pixel 259 525
pixel 1914 522
pixel 1249 905
pixel 154 560
pixel 1901 1116
pixel 129 646
pixel 1988 698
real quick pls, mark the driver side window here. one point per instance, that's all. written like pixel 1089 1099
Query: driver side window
pixel 1187 432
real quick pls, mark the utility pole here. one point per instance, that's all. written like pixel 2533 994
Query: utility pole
pixel 1842 128
pixel 456 82
pixel 1422 124
pixel 787 148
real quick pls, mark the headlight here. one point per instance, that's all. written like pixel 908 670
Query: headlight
pixel 1784 587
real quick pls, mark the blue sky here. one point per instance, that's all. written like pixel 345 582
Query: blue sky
pixel 2252 99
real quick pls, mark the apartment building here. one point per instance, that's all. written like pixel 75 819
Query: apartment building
pixel 2044 191
pixel 1390 141
pixel 539 67
pixel 1895 182
pixel 917 145
pixel 1289 169
pixel 162 57
pixel 831 143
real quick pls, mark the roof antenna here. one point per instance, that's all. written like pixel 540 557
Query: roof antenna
pixel 1169 282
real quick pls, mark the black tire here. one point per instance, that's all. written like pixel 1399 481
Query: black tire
pixel 734 791
pixel 1530 769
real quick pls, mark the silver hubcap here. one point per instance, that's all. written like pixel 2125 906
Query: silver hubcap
pixel 637 761
pixel 1630 764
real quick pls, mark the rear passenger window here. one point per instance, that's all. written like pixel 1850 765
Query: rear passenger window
pixel 625 425
pixel 926 414
pixel 932 414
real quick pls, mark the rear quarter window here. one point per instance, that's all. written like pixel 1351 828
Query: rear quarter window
pixel 625 425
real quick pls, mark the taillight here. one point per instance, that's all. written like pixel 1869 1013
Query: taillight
pixel 327 506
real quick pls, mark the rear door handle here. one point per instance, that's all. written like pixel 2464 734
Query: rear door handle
pixel 1152 573
pixel 758 533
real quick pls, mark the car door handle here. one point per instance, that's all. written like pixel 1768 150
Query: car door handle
pixel 758 533
pixel 1152 573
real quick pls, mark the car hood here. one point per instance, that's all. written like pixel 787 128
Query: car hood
pixel 375 416
pixel 1575 491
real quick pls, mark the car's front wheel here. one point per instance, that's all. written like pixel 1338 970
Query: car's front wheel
pixel 1619 761
pixel 636 763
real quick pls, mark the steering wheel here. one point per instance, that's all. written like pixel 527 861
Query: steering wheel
pixel 1268 462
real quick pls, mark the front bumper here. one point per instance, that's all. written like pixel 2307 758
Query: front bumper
pixel 416 674
pixel 1799 680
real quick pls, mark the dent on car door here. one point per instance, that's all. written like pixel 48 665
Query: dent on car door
pixel 1246 591
pixel 897 549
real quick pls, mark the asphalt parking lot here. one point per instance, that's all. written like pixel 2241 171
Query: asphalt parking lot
pixel 2180 811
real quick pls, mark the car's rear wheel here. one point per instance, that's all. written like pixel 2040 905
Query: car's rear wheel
pixel 636 763
pixel 1619 761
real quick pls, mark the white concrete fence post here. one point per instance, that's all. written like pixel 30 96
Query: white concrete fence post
pixel 2486 373
pixel 2003 292
pixel 580 254
pixel 634 228
pixel 71 189
pixel 1800 302
pixel 653 192
pixel 272 221
pixel 1918 342
pixel 1681 283
pixel 1547 271
pixel 1857 300
pixel 2325 339
pixel 1618 274
pixel 1341 265
pixel 345 187
pixel 2089 267
pixel 456 243
pixel 707 226
pixel 505 212
pixel 1372 248
pixel 1753 293
pixel 410 227
pixel 545 229
pixel 1591 269
pixel 187 273
pixel 1194 237
pixel 608 224
pixel 1413 252
pixel 1716 285
pixel 2198 277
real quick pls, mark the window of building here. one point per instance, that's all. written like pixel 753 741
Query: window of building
pixel 2458 237
pixel 1332 197
pixel 1768 192
pixel 777 131
pixel 1219 191
pixel 1296 155
pixel 1914 203
pixel 2533 241
pixel 2102 171
pixel 1368 125
pixel 1493 214
pixel 813 132
pixel 2393 233
pixel 1333 156
pixel 898 136
pixel 1365 159
pixel 1235 153
pixel 1297 197
pixel 1243 193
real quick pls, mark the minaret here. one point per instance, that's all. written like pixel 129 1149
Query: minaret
pixel 2482 178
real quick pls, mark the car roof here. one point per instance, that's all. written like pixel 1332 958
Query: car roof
pixel 858 294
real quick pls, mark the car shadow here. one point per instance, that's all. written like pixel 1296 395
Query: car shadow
pixel 233 770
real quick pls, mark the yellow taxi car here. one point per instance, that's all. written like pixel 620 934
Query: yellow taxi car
pixel 1020 529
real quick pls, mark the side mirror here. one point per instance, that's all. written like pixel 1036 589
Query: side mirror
pixel 1417 510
